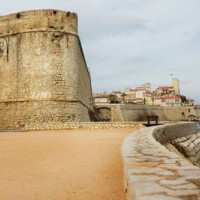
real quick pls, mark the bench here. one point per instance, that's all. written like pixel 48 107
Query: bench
pixel 152 118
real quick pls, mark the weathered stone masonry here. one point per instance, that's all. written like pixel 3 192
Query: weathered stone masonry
pixel 43 72
pixel 152 172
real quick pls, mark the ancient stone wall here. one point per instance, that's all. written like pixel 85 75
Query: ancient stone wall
pixel 43 72
pixel 188 146
pixel 131 112
pixel 80 125
pixel 153 172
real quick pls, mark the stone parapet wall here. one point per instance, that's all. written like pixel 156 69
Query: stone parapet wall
pixel 168 113
pixel 168 132
pixel 188 146
pixel 137 112
pixel 79 125
pixel 152 172
pixel 181 138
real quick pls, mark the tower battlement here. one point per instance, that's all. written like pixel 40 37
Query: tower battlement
pixel 38 20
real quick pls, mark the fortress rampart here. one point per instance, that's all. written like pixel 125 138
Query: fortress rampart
pixel 43 72
pixel 136 112
pixel 151 171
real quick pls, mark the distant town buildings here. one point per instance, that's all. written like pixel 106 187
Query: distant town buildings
pixel 101 98
pixel 161 96
pixel 175 84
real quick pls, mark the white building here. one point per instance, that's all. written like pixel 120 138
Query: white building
pixel 101 99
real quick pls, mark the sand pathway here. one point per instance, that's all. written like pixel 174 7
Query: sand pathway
pixel 61 165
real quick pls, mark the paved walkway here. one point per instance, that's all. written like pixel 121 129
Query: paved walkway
pixel 154 173
pixel 62 165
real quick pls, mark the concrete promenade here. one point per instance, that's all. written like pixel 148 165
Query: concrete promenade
pixel 62 165
pixel 154 173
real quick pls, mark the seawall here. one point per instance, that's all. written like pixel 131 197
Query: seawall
pixel 151 171
pixel 136 112
pixel 188 146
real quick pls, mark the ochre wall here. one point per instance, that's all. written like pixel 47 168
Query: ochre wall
pixel 130 112
pixel 140 113
pixel 44 76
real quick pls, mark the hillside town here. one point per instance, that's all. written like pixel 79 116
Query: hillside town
pixel 161 96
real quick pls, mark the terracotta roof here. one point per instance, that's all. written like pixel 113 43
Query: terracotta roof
pixel 101 96
pixel 176 97
pixel 116 92
pixel 167 97
pixel 165 88
pixel 133 90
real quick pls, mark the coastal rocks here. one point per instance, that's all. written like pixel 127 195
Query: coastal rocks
pixel 152 172
pixel 189 146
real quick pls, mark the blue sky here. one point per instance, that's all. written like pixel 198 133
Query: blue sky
pixel 130 42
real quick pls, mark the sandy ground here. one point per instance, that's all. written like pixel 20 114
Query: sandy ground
pixel 61 165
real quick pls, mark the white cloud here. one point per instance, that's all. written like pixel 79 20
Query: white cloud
pixel 130 42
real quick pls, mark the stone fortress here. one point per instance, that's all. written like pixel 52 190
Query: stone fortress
pixel 45 82
pixel 43 73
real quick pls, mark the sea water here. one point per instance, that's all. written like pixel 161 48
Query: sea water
pixel 198 126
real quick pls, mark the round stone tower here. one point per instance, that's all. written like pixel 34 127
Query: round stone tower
pixel 175 84
pixel 43 73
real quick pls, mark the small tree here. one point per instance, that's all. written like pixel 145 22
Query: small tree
pixel 183 99
pixel 112 98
